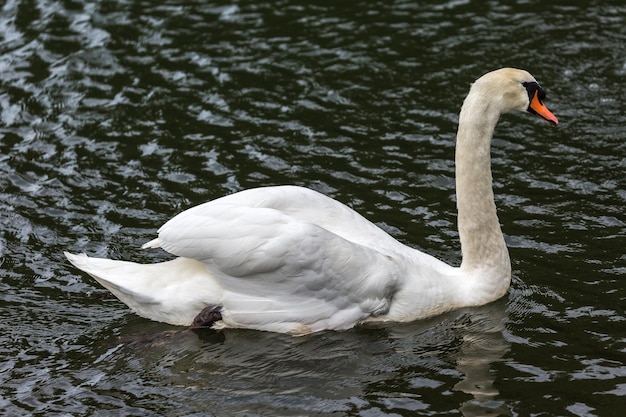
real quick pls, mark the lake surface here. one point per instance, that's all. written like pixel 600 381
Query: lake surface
pixel 117 115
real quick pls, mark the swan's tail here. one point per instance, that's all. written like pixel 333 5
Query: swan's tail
pixel 159 292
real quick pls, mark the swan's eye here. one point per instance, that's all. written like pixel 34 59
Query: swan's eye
pixel 532 88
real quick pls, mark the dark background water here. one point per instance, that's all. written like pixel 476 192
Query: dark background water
pixel 116 115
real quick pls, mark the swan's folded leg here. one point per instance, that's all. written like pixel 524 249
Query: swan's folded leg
pixel 207 317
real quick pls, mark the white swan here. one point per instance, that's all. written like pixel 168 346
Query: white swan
pixel 288 259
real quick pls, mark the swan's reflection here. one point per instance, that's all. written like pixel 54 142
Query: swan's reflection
pixel 431 364
pixel 483 344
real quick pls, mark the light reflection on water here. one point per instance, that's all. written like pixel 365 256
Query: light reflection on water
pixel 116 116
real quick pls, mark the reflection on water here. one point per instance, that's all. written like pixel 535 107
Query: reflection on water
pixel 483 345
pixel 395 369
pixel 114 116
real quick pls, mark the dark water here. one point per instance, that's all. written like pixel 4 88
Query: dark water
pixel 116 115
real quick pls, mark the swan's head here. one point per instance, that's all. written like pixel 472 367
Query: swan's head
pixel 515 89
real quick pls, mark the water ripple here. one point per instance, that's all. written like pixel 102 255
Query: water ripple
pixel 116 116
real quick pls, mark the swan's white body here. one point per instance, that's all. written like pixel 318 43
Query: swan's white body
pixel 289 259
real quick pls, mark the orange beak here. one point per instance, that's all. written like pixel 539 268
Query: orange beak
pixel 538 107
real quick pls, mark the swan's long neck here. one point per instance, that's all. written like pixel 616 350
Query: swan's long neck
pixel 482 243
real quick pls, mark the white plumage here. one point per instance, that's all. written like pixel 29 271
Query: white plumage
pixel 289 259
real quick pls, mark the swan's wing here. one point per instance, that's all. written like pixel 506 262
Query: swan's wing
pixel 316 208
pixel 278 272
